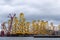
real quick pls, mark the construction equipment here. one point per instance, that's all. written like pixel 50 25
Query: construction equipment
pixel 59 26
pixel 35 27
pixel 43 29
pixel 3 31
pixel 26 28
pixel 21 26
pixel 9 28
pixel 22 23
pixel 15 25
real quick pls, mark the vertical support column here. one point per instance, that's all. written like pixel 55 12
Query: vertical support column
pixel 27 28
pixel 22 22
pixel 34 26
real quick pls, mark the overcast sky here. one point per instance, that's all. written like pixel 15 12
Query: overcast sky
pixel 33 9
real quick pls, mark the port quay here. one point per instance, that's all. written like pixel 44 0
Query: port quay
pixel 19 27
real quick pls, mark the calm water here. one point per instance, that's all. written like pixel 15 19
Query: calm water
pixel 27 38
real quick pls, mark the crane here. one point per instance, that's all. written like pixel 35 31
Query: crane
pixel 9 28
pixel 3 29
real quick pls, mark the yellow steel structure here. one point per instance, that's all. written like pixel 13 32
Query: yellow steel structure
pixel 59 26
pixel 35 27
pixel 21 26
pixel 43 27
pixel 22 23
pixel 39 23
pixel 15 26
pixel 26 28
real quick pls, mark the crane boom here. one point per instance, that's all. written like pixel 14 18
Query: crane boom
pixel 11 17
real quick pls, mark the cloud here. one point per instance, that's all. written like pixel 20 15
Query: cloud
pixel 33 9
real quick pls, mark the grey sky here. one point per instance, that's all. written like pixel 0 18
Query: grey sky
pixel 33 9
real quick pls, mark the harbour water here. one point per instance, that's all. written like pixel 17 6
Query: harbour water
pixel 27 38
